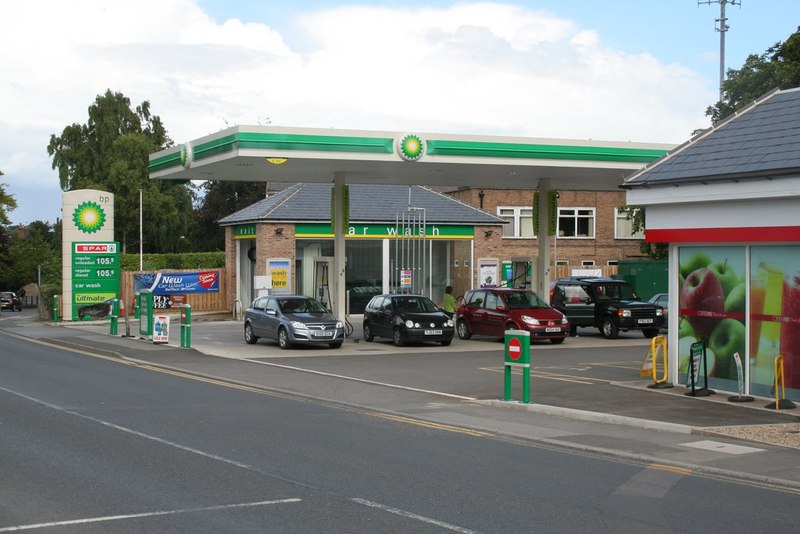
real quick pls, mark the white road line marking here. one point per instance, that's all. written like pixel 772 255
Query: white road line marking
pixel 362 380
pixel 145 514
pixel 411 515
pixel 130 430
pixel 718 446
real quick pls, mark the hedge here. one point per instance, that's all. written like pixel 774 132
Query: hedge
pixel 187 260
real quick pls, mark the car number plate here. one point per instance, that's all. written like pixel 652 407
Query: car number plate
pixel 433 332
pixel 645 321
pixel 323 334
pixel 552 330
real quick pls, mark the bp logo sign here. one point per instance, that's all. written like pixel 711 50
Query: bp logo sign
pixel 89 217
pixel 410 147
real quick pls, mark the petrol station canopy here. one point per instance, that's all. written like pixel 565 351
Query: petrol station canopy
pixel 282 154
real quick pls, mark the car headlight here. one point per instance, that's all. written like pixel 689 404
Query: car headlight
pixel 449 322
pixel 298 324
pixel 659 312
pixel 529 320
pixel 624 313
pixel 409 323
pixel 340 324
pixel 564 319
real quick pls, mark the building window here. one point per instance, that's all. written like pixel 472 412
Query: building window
pixel 576 222
pixel 520 221
pixel 562 262
pixel 587 263
pixel 612 262
pixel 623 227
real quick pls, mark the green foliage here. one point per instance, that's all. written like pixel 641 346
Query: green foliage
pixel 111 153
pixel 219 199
pixel 7 203
pixel 778 67
pixel 186 260
pixel 25 256
pixel 46 300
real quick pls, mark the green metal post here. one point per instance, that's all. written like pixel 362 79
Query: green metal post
pixel 55 308
pixel 136 306
pixel 518 354
pixel 113 328
pixel 186 326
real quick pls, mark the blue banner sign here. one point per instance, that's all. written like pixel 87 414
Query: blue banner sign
pixel 178 283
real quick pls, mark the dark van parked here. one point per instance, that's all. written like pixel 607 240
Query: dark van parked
pixel 493 311
pixel 406 318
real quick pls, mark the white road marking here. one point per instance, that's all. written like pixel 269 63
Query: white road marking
pixel 130 430
pixel 144 514
pixel 718 446
pixel 361 380
pixel 411 515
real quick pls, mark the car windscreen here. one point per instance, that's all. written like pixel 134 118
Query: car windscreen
pixel 301 306
pixel 616 292
pixel 523 300
pixel 414 305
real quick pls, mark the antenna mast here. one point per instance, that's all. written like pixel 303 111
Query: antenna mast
pixel 722 27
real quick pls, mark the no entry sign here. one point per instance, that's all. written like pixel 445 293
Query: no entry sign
pixel 514 349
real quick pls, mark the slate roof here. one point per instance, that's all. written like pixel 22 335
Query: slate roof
pixel 762 141
pixel 368 203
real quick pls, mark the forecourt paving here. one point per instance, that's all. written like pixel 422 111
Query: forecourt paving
pixel 586 393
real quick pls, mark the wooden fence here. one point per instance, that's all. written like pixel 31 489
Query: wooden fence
pixel 200 302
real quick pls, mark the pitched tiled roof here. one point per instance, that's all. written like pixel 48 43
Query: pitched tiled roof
pixel 368 203
pixel 761 141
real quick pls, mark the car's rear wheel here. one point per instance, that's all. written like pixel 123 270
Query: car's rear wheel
pixel 609 329
pixel 249 337
pixel 335 344
pixel 557 341
pixel 650 333
pixel 397 338
pixel 463 330
pixel 368 335
pixel 283 339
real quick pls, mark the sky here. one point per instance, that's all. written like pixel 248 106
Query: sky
pixel 615 70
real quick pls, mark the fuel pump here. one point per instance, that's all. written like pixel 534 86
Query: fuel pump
pixel 323 266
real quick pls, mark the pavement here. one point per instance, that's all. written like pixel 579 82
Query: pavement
pixel 604 408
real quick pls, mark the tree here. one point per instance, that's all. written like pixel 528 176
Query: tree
pixel 778 67
pixel 7 204
pixel 111 153
pixel 219 199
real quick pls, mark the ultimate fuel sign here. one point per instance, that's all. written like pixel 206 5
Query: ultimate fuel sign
pixel 95 276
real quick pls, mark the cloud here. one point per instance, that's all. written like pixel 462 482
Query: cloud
pixel 478 68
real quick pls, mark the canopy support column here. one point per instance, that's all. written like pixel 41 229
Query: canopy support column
pixel 339 306
pixel 543 273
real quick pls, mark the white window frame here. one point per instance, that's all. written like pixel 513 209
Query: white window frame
pixel 576 216
pixel 619 218
pixel 516 218
pixel 562 262
pixel 587 263
pixel 612 262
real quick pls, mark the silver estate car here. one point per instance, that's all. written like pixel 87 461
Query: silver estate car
pixel 291 319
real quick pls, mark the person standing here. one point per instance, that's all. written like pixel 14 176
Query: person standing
pixel 449 304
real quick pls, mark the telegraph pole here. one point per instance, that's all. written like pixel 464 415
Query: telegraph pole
pixel 722 27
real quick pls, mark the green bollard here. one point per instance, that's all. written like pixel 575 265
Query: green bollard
pixel 186 326
pixel 55 308
pixel 113 328
pixel 136 306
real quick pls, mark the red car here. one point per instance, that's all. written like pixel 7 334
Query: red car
pixel 493 311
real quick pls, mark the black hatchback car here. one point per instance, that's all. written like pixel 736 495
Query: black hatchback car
pixel 406 318
pixel 291 319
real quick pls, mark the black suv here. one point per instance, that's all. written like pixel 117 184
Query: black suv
pixel 607 304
